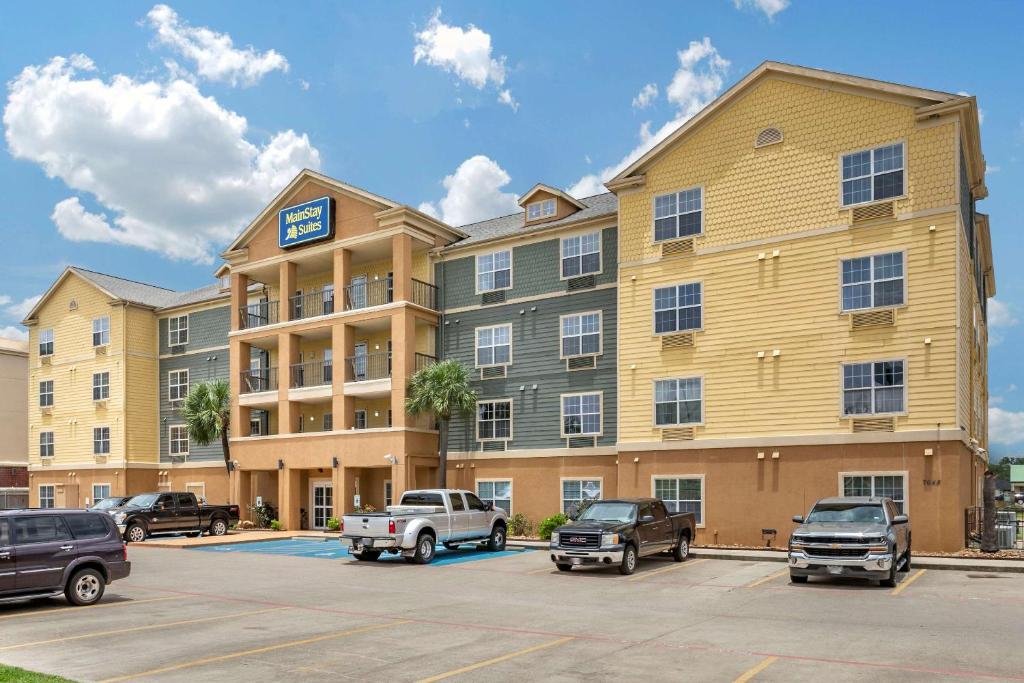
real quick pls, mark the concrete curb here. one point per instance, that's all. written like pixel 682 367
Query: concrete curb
pixel 170 544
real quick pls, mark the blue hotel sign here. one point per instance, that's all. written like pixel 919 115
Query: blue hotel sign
pixel 304 223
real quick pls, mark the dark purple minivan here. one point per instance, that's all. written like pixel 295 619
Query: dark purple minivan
pixel 44 553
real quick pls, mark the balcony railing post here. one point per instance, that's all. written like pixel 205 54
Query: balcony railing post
pixel 424 294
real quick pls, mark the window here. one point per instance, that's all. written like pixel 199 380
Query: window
pixel 493 345
pixel 88 525
pixel 678 401
pixel 5 536
pixel 101 331
pixel 575 491
pixel 540 209
pixel 360 419
pixel 46 393
pixel 494 420
pixel 873 174
pixel 178 437
pixel 678 308
pixel 873 281
pixel 877 485
pixel 100 386
pixel 101 440
pixel 388 496
pixel 475 504
pixel 41 529
pixel 458 505
pixel 873 388
pixel 100 492
pixel 497 492
pixel 494 271
pixel 581 334
pixel 255 426
pixel 45 444
pixel 581 255
pixel 177 385
pixel 328 422
pixel 581 415
pixel 46 342
pixel 678 215
pixel 682 494
pixel 197 489
pixel 177 330
pixel 47 494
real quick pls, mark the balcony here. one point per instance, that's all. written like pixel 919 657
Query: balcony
pixel 258 314
pixel 368 367
pixel 312 304
pixel 382 292
pixel 312 374
pixel 258 387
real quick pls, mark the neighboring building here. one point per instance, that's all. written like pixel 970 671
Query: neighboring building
pixel 97 420
pixel 1016 478
pixel 529 306
pixel 13 424
pixel 802 306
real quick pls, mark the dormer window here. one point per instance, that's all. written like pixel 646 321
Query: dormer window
pixel 539 210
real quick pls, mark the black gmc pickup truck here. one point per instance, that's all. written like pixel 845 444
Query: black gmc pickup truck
pixel 165 513
pixel 619 532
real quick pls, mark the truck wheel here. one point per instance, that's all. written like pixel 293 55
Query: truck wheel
pixel 218 527
pixel 794 578
pixel 564 567
pixel 682 549
pixel 367 555
pixel 497 542
pixel 135 533
pixel 628 565
pixel 424 549
pixel 85 587
pixel 891 581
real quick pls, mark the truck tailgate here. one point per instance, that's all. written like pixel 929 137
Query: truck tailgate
pixel 371 526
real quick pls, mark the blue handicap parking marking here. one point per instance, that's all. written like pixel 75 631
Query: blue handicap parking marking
pixel 334 550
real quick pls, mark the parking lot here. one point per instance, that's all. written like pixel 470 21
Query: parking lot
pixel 270 616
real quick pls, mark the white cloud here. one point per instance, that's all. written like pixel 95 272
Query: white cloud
pixel 21 309
pixel 474 193
pixel 1005 426
pixel 304 84
pixel 769 7
pixel 173 168
pixel 1000 314
pixel 14 332
pixel 464 51
pixel 4 299
pixel 646 96
pixel 696 82
pixel 214 54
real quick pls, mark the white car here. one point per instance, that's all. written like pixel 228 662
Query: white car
pixel 421 520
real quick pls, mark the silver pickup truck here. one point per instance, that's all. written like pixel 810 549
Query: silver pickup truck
pixel 854 537
pixel 420 521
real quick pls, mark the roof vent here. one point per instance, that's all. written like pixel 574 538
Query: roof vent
pixel 768 136
pixel 73 305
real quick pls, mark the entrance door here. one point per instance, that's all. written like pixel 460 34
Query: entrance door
pixel 321 496
pixel 357 292
pixel 359 362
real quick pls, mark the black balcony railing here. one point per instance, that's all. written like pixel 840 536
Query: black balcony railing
pixel 367 294
pixel 424 294
pixel 368 366
pixel 312 304
pixel 258 379
pixel 423 360
pixel 258 314
pixel 312 374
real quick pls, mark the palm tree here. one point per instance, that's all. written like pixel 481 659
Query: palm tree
pixel 441 389
pixel 207 413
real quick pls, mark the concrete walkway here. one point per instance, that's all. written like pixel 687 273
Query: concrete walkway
pixel 231 538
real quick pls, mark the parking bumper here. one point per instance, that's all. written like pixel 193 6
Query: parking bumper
pixel 607 556
pixel 874 566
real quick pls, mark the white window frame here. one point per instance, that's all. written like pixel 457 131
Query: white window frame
pixel 172 440
pixel 46 337
pixel 476 345
pixel 101 327
pixel 259 426
pixel 201 485
pixel 843 389
pixel 172 385
pixel 103 387
pixel 110 491
pixel 677 308
pixel 872 281
pixel 52 497
pixel 600 414
pixel 676 477
pixel 545 209
pixel 173 334
pixel 50 444
pixel 477 272
pixel 880 473
pixel 872 149
pixel 98 440
pixel 511 419
pixel 389 493
pixel 673 425
pixel 561 334
pixel 498 480
pixel 581 479
pixel 49 393
pixel 562 257
pixel 655 218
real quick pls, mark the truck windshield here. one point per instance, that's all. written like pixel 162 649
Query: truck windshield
pixel 143 501
pixel 106 504
pixel 609 512
pixel 852 513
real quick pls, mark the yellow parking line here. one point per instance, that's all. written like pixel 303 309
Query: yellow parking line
pixel 907 581
pixel 496 660
pixel 64 610
pixel 766 579
pixel 148 627
pixel 750 673
pixel 256 651
pixel 678 565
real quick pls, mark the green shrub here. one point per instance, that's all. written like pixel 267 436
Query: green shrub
pixel 519 525
pixel 333 523
pixel 550 524
pixel 262 515
pixel 276 525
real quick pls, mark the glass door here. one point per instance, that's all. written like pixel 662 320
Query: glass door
pixel 322 496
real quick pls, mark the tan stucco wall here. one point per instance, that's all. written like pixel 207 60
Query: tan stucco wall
pixel 13 406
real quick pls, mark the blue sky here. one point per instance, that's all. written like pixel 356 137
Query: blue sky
pixel 138 138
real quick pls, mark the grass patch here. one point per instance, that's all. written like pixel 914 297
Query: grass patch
pixel 12 674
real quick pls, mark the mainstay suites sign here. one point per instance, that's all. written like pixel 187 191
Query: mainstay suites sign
pixel 310 221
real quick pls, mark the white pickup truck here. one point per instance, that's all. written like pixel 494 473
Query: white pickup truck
pixel 420 521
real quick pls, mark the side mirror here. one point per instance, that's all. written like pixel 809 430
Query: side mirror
pixel 646 519
pixel 489 507
pixel 799 519
pixel 900 519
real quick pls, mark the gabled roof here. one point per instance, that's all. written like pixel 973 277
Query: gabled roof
pixel 541 187
pixel 916 97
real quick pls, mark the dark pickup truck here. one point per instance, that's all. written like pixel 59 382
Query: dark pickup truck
pixel 166 513
pixel 619 532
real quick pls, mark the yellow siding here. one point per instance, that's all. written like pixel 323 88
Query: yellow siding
pixel 421 269
pixel 142 385
pixel 972 351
